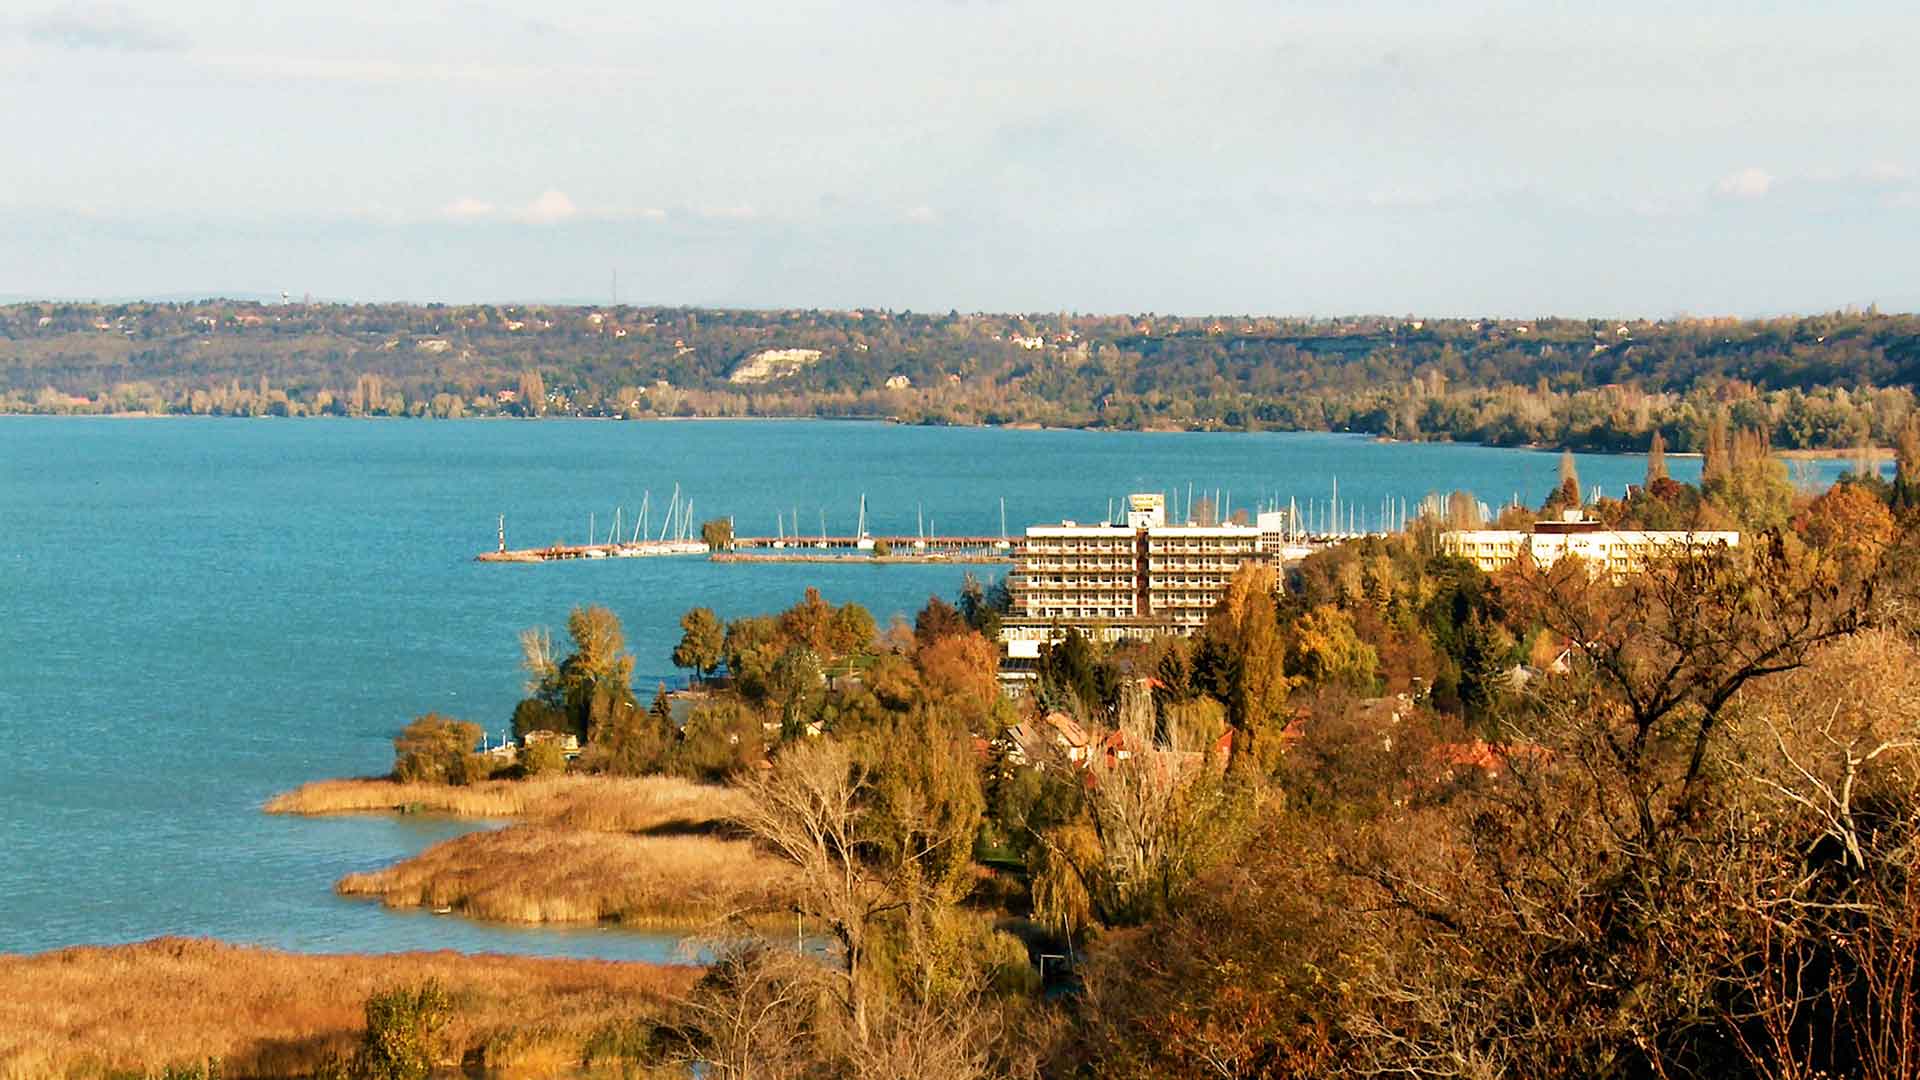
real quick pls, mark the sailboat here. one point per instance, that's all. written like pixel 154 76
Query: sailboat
pixel 861 540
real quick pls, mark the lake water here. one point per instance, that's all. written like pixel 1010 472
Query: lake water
pixel 197 614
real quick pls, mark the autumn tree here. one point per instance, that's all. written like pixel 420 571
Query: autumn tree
pixel 592 686
pixel 1752 486
pixel 702 642
pixel 1675 642
pixel 1324 648
pixel 1244 654
pixel 436 749
pixel 1656 459
pixel 1850 524
pixel 1906 468
pixel 533 393
pixel 937 620
pixel 1567 494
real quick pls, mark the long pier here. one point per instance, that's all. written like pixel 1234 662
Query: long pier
pixel 897 545
pixel 777 549
pixel 560 552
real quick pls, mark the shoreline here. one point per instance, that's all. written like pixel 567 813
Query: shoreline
pixel 1879 453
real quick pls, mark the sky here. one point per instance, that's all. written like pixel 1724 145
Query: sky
pixel 1634 158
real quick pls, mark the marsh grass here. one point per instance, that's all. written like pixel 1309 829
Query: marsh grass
pixel 649 852
pixel 543 874
pixel 601 803
pixel 93 1012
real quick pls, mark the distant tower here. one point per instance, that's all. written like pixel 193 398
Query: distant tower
pixel 503 532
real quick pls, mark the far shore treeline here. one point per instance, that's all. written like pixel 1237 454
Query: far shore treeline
pixel 1835 381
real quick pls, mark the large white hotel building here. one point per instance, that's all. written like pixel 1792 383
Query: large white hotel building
pixel 1126 580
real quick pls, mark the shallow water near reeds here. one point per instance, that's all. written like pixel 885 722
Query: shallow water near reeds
pixel 197 614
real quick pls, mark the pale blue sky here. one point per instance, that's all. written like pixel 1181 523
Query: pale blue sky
pixel 1312 158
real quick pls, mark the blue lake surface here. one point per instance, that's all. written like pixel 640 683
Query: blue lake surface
pixel 198 614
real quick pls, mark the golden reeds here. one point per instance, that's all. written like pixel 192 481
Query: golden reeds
pixel 89 1012
pixel 648 851
pixel 542 874
pixel 606 803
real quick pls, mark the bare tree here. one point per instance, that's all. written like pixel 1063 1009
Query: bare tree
pixel 808 809
pixel 751 1017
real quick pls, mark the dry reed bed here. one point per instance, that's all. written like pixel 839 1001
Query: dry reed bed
pixel 610 804
pixel 540 874
pixel 650 851
pixel 87 1012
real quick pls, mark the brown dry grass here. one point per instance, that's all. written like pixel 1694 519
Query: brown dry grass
pixel 538 873
pixel 652 851
pixel 87 1012
pixel 605 803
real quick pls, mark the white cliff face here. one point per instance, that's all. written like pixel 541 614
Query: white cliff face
pixel 770 364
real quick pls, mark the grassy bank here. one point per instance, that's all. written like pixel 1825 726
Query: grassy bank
pixel 90 1012
pixel 653 851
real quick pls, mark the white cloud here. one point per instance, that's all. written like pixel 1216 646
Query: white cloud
pixel 922 215
pixel 728 213
pixel 1751 182
pixel 468 208
pixel 550 207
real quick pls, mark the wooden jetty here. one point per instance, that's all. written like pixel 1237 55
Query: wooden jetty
pixel 776 549
pixel 561 552
pixel 898 545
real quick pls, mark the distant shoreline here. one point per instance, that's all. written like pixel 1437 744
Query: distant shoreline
pixel 1880 453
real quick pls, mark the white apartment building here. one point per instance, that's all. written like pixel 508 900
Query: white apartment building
pixel 1607 551
pixel 1116 581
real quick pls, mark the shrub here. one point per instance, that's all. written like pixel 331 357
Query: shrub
pixel 437 749
pixel 543 758
pixel 404 1031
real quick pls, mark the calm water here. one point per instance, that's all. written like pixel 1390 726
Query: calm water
pixel 195 615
